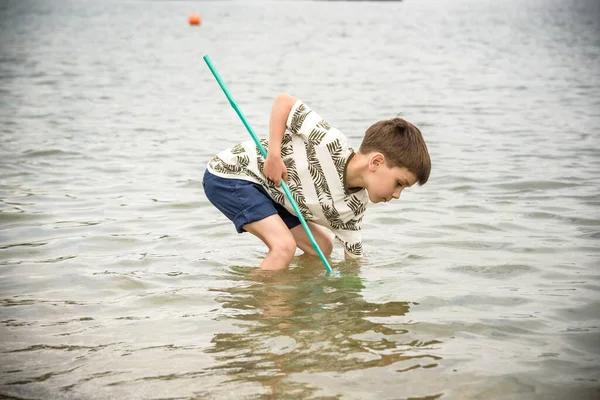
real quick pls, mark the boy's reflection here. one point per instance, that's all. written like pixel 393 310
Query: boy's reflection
pixel 300 321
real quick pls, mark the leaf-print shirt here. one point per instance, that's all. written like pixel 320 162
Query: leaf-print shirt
pixel 316 156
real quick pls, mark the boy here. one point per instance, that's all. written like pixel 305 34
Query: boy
pixel 329 181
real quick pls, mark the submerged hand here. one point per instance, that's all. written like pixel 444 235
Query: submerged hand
pixel 275 169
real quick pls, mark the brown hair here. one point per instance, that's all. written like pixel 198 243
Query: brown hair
pixel 402 145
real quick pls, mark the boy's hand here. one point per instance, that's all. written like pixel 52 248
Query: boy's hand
pixel 275 169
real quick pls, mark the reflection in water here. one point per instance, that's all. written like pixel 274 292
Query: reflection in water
pixel 299 321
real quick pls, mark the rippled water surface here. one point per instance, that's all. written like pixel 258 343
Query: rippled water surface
pixel 118 279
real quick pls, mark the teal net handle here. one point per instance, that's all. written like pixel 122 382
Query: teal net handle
pixel 264 154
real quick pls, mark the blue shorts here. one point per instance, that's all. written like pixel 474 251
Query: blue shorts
pixel 243 202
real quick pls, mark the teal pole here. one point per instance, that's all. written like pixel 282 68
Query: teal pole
pixel 264 154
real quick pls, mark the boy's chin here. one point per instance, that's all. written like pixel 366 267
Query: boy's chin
pixel 376 200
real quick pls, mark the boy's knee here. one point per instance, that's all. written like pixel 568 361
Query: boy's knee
pixel 285 247
pixel 326 246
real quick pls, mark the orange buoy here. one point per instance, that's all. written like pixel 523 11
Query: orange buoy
pixel 194 19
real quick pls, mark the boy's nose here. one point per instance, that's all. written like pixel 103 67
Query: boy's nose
pixel 396 194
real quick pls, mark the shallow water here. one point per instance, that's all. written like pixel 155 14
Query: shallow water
pixel 118 279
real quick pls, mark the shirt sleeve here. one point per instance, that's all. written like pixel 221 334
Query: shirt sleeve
pixel 352 242
pixel 302 120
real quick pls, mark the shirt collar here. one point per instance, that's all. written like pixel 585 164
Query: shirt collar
pixel 347 190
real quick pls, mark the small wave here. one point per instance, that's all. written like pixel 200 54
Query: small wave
pixel 535 185
pixel 42 378
pixel 76 224
pixel 191 205
pixel 467 245
pixel 169 377
pixel 49 153
pixel 190 183
pixel 463 188
pixel 54 260
pixel 37 347
pixel 34 244
pixel 495 271
pixel 20 216
pixel 473 227
pixel 131 318
pixel 27 302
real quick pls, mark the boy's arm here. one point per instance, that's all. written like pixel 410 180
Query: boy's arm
pixel 274 168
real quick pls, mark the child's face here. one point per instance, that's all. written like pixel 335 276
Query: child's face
pixel 387 183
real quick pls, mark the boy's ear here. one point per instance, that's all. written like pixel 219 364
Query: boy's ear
pixel 375 161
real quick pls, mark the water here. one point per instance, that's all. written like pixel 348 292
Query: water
pixel 120 280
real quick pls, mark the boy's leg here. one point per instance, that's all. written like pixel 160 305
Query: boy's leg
pixel 278 238
pixel 243 201
pixel 322 236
